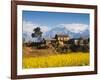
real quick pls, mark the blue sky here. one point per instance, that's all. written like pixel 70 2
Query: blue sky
pixel 54 19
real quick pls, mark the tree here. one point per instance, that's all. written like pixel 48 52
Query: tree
pixel 37 32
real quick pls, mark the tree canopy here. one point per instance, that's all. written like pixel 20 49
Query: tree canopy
pixel 37 32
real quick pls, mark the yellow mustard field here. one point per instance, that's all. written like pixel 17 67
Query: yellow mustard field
pixel 58 60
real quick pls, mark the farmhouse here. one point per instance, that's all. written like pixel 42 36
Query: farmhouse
pixel 61 38
pixel 78 41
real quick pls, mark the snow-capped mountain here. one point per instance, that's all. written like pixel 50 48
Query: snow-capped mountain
pixel 57 30
pixel 62 30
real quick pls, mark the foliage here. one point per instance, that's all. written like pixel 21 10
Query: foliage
pixel 37 32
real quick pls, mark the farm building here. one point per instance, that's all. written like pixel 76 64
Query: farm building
pixel 61 38
pixel 78 41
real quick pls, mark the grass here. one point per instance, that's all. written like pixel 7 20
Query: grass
pixel 57 60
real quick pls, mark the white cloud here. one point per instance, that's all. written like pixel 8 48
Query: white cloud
pixel 76 27
pixel 73 27
pixel 29 26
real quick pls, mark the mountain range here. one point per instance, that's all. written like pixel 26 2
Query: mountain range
pixel 62 30
pixel 57 30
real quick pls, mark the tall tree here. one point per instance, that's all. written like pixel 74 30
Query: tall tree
pixel 37 32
